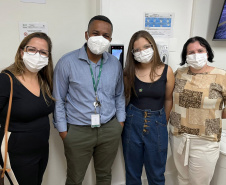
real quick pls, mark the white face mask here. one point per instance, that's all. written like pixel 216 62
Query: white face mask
pixel 98 44
pixel 197 61
pixel 144 56
pixel 34 63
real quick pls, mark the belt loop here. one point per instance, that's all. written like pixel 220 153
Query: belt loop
pixel 162 111
pixel 159 112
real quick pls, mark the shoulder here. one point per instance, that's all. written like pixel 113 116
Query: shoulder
pixel 4 81
pixel 220 76
pixel 72 57
pixel 170 71
pixel 161 70
pixel 218 71
pixel 4 75
pixel 69 56
pixel 170 74
pixel 181 70
pixel 66 60
pixel 168 68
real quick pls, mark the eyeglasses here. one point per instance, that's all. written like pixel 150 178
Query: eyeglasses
pixel 32 51
pixel 144 47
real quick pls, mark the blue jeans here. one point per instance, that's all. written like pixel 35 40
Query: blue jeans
pixel 145 141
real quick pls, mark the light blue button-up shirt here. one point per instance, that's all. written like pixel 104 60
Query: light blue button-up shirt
pixel 74 92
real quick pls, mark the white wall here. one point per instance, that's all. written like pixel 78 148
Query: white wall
pixel 128 17
pixel 67 21
pixel 206 15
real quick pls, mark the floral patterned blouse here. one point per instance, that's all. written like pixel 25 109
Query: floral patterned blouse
pixel 198 103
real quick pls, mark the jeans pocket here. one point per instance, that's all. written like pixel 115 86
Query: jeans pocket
pixel 162 124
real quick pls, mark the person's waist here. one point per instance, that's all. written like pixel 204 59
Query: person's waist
pixel 148 111
pixel 192 136
pixel 89 124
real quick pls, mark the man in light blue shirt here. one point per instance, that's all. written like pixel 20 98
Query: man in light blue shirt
pixel 90 104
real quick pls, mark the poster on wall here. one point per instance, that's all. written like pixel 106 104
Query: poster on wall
pixel 34 1
pixel 27 28
pixel 159 24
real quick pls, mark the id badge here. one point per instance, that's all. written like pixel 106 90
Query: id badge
pixel 95 120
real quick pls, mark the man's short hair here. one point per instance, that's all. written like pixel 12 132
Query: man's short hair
pixel 100 18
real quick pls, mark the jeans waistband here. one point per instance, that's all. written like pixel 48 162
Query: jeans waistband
pixel 147 111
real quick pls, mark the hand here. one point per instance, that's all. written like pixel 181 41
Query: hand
pixel 63 135
pixel 122 124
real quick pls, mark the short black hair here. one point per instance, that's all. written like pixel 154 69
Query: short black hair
pixel 202 42
pixel 100 18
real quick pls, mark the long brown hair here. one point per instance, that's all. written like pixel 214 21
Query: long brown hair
pixel 131 63
pixel 45 75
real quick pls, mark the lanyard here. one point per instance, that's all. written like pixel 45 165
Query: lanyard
pixel 95 84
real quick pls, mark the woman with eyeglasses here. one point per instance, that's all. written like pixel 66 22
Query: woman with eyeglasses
pixel 149 85
pixel 29 128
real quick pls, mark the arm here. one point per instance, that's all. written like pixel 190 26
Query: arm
pixel 60 88
pixel 4 90
pixel 224 98
pixel 169 92
pixel 120 99
pixel 224 114
pixel 127 99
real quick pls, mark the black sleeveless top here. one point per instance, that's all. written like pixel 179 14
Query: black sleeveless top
pixel 150 95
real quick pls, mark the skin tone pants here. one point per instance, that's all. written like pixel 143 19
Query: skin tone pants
pixel 195 159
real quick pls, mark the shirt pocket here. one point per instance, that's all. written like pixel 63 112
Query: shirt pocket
pixel 108 85
pixel 81 84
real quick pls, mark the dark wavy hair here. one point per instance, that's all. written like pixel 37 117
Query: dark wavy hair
pixel 203 43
